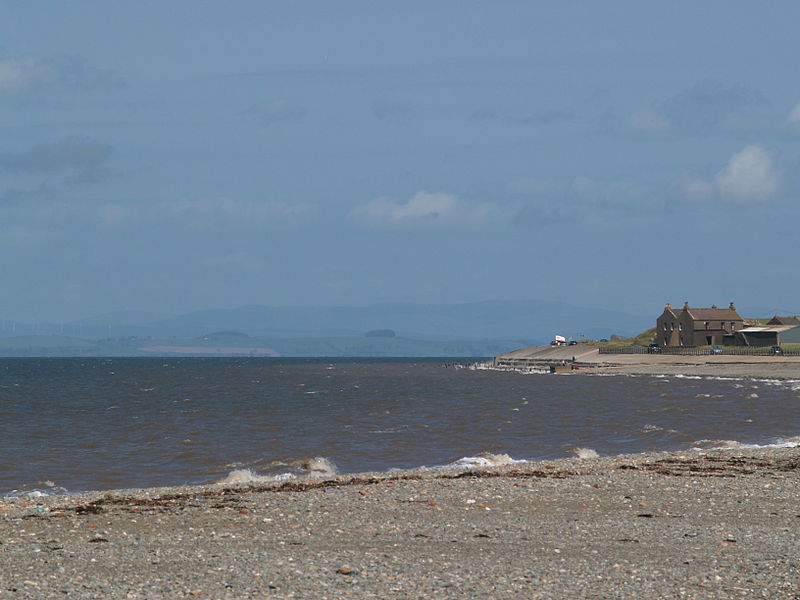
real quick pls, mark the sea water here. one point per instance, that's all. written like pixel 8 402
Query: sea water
pixel 78 424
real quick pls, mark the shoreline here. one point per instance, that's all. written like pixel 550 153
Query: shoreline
pixel 714 523
pixel 589 360
pixel 573 465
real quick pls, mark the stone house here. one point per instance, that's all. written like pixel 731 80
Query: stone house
pixel 698 326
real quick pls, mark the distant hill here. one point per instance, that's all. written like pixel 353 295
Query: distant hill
pixel 490 324
pixel 233 344
pixel 495 319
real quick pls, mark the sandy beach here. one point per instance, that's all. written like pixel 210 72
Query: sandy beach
pixel 717 524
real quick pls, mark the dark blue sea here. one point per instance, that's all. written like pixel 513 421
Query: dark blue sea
pixel 75 424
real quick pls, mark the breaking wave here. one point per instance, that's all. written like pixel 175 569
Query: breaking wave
pixel 306 468
pixel 790 442
pixel 483 459
pixel 586 453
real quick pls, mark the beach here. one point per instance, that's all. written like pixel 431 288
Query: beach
pixel 752 367
pixel 713 524
pixel 588 359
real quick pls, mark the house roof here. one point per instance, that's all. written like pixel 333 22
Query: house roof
pixel 713 314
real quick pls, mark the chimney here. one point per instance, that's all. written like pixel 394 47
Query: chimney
pixel 686 305
pixel 732 307
pixel 667 306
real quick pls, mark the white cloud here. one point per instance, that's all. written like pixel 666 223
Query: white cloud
pixel 427 209
pixel 749 177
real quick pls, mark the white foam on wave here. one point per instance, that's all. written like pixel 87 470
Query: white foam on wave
pixel 49 489
pixel 483 459
pixel 790 442
pixel 245 476
pixel 649 428
pixel 36 493
pixel 397 429
pixel 318 467
pixel 586 453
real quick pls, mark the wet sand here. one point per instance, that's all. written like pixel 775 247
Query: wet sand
pixel 718 524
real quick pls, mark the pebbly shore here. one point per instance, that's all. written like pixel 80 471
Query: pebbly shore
pixel 714 524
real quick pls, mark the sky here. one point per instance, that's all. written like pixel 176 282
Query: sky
pixel 177 156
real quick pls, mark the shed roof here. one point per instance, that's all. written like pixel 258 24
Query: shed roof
pixel 767 329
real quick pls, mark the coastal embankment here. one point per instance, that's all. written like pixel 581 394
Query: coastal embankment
pixel 716 524
pixel 588 359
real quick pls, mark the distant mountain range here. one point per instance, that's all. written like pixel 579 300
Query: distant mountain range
pixel 480 320
pixel 447 330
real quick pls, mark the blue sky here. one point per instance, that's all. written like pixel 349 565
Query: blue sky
pixel 178 156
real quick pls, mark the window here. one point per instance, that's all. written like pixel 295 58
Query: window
pixel 706 324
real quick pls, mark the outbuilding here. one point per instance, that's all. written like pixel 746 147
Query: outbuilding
pixel 768 335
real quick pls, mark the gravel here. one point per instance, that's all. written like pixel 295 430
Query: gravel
pixel 716 524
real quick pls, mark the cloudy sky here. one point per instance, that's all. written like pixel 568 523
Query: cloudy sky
pixel 173 156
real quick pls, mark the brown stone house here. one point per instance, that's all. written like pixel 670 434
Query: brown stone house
pixel 697 326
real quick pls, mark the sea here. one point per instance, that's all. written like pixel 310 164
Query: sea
pixel 77 424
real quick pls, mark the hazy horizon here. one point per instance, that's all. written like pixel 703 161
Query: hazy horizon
pixel 171 158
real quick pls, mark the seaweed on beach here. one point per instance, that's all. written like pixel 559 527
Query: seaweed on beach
pixel 225 497
pixel 514 474
pixel 716 466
